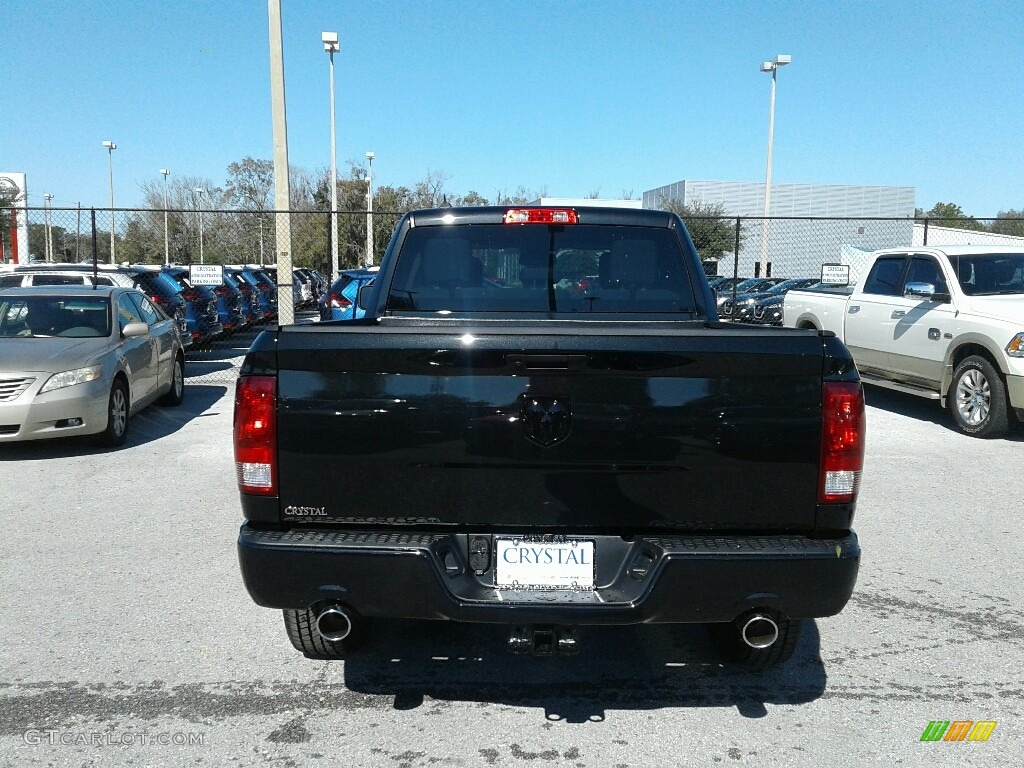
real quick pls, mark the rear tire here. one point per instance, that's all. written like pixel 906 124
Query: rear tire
pixel 727 641
pixel 176 393
pixel 118 412
pixel 977 399
pixel 301 628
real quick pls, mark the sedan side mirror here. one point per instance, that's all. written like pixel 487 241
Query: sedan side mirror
pixel 135 329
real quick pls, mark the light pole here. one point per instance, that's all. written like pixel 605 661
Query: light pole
pixel 369 208
pixel 167 242
pixel 111 146
pixel 200 191
pixel 769 66
pixel 331 46
pixel 49 230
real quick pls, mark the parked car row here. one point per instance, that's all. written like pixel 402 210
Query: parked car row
pixel 307 285
pixel 755 300
pixel 247 296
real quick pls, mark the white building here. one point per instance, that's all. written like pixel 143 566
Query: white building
pixel 808 224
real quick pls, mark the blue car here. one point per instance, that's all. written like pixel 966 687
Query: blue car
pixel 248 286
pixel 227 298
pixel 267 291
pixel 167 294
pixel 201 321
pixel 339 303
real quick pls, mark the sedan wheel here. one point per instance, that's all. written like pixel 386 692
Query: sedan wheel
pixel 176 393
pixel 977 399
pixel 117 416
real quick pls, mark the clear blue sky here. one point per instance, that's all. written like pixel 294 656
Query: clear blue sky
pixel 569 97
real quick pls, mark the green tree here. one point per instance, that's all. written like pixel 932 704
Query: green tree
pixel 951 215
pixel 140 243
pixel 712 231
pixel 1009 223
pixel 474 198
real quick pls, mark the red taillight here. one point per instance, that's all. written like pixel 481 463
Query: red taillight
pixel 256 434
pixel 264 287
pixel 190 294
pixel 340 302
pixel 540 216
pixel 157 299
pixel 842 441
pixel 221 290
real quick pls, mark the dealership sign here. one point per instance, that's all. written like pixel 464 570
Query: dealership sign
pixel 835 274
pixel 14 240
pixel 206 274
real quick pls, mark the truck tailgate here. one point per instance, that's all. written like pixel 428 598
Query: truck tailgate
pixel 567 426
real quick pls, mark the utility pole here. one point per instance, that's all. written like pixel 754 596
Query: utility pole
pixel 282 190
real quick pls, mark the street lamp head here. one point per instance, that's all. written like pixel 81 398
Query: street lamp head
pixel 110 145
pixel 330 41
pixel 200 190
pixel 165 172
pixel 48 196
pixel 370 155
pixel 780 60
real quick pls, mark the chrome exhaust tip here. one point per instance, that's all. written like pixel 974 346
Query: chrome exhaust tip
pixel 334 624
pixel 759 630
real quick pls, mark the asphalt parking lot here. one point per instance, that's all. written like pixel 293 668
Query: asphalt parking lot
pixel 128 638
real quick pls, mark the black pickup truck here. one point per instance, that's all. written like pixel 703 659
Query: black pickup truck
pixel 540 422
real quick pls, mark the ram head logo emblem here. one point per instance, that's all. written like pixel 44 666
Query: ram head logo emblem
pixel 546 420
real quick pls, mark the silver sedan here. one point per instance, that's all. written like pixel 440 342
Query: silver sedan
pixel 81 360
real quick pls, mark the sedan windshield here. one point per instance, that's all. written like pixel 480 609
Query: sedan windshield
pixel 48 316
pixel 989 274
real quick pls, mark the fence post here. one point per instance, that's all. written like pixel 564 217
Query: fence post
pixel 330 244
pixel 925 231
pixel 736 250
pixel 95 247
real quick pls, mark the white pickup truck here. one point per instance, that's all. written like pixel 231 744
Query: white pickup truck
pixel 943 322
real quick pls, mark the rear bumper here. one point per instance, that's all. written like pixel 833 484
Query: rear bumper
pixel 662 579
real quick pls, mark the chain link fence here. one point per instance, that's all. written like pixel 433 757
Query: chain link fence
pixel 143 236
pixel 130 240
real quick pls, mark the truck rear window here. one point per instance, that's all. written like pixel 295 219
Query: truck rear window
pixel 539 268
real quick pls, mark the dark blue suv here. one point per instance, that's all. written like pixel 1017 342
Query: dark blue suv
pixel 166 293
pixel 228 299
pixel 249 287
pixel 201 320
pixel 268 291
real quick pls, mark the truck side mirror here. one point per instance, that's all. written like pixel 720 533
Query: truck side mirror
pixel 363 297
pixel 925 291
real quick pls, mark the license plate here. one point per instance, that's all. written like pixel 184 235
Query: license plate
pixel 525 564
